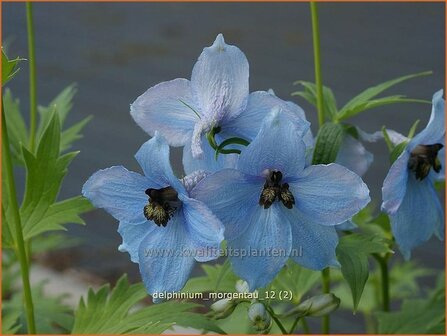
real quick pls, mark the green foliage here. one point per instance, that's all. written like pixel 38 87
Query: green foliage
pixel 327 145
pixel 9 67
pixel 217 278
pixel 310 94
pixel 352 253
pixel 52 316
pixel 417 316
pixel 10 323
pixel 117 312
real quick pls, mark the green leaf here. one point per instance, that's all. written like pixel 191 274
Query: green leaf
pixel 352 253
pixel 310 94
pixel 329 139
pixel 397 151
pixel 73 133
pixel 10 323
pixel 413 129
pixel 9 67
pixel 216 276
pixel 117 312
pixel 365 101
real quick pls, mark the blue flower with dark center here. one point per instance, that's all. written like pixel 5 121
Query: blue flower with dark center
pixel 163 228
pixel 274 207
pixel 408 192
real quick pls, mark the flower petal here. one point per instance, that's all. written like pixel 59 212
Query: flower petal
pixel 329 194
pixel 133 235
pixel 418 217
pixel 153 157
pixel 277 146
pixel 266 245
pixel 120 192
pixel 164 107
pixel 204 228
pixel 313 245
pixel 232 196
pixel 164 258
pixel 346 226
pixel 354 156
pixel 395 184
pixel 220 81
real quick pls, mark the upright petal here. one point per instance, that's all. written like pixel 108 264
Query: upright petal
pixel 418 217
pixel 354 156
pixel 277 146
pixel 167 107
pixel 395 184
pixel 204 228
pixel 133 235
pixel 120 192
pixel 220 81
pixel 165 257
pixel 329 194
pixel 153 157
pixel 313 245
pixel 232 196
pixel 262 250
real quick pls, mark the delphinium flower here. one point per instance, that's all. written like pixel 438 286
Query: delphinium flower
pixel 277 207
pixel 215 99
pixel 163 228
pixel 408 192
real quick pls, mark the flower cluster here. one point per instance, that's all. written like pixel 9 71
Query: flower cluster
pixel 262 192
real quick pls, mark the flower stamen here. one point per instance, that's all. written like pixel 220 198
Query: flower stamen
pixel 274 190
pixel 162 205
pixel 424 157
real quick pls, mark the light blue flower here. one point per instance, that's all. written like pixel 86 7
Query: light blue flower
pixel 409 197
pixel 274 207
pixel 216 97
pixel 163 228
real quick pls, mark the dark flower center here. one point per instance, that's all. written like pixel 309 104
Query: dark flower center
pixel 424 157
pixel 275 190
pixel 162 205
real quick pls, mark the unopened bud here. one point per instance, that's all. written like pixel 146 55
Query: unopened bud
pixel 242 286
pixel 319 305
pixel 223 308
pixel 260 318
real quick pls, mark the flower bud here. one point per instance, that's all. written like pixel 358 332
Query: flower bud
pixel 223 308
pixel 260 318
pixel 242 286
pixel 319 305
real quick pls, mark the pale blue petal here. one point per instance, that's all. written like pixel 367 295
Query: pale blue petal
pixel 418 217
pixel 164 108
pixel 354 156
pixel 120 192
pixel 441 156
pixel 346 226
pixel 277 146
pixel 434 132
pixel 153 157
pixel 395 184
pixel 204 228
pixel 208 161
pixel 220 81
pixel 133 235
pixel 267 244
pixel 329 194
pixel 232 196
pixel 165 257
pixel 313 245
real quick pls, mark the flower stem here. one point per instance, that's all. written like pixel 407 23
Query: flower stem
pixel 19 240
pixel 317 62
pixel 292 329
pixel 306 329
pixel 326 277
pixel 276 319
pixel 32 76
pixel 385 281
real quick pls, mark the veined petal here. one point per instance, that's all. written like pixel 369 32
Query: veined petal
pixel 434 132
pixel 266 245
pixel 354 156
pixel 220 81
pixel 204 228
pixel 277 146
pixel 313 245
pixel 165 257
pixel 164 108
pixel 395 184
pixel 153 157
pixel 329 194
pixel 441 157
pixel 232 197
pixel 418 217
pixel 133 235
pixel 120 192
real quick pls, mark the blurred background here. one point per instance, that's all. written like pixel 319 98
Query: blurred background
pixel 115 51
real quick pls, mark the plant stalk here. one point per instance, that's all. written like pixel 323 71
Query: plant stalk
pixel 385 281
pixel 276 319
pixel 326 277
pixel 32 76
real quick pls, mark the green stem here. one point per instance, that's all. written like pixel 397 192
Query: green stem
pixel 276 319
pixel 317 62
pixel 326 277
pixel 292 329
pixel 20 243
pixel 306 329
pixel 32 76
pixel 385 281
